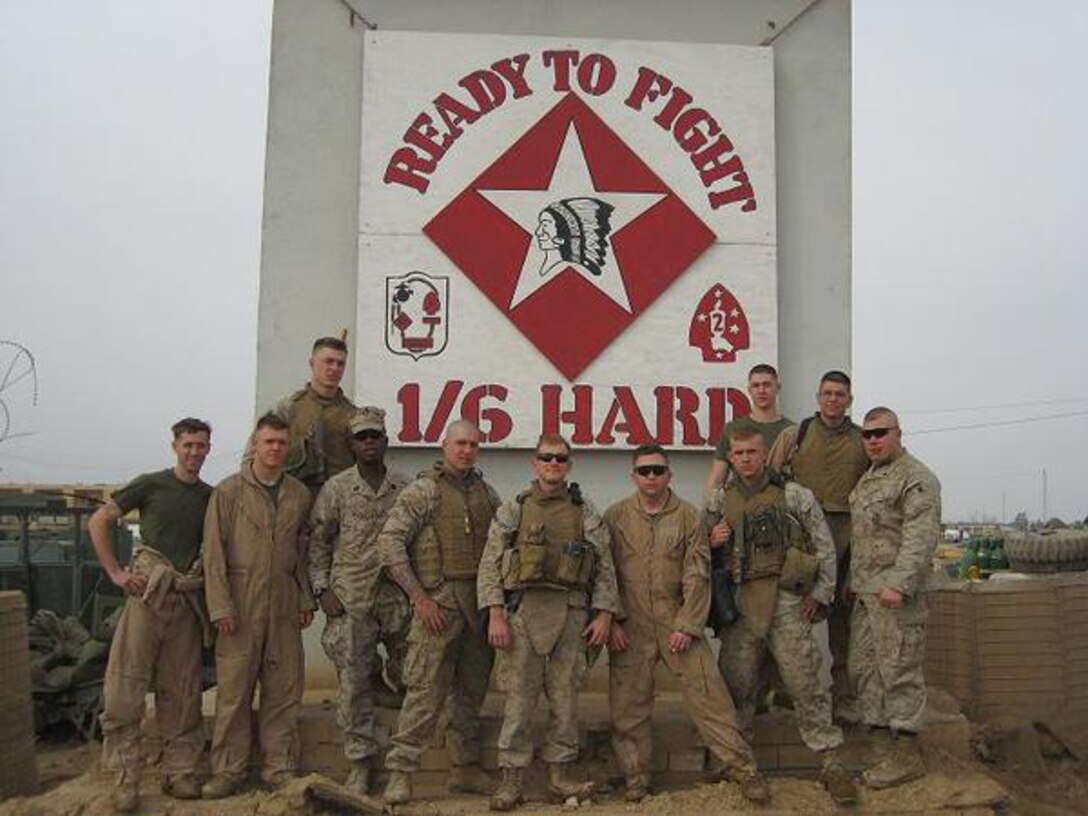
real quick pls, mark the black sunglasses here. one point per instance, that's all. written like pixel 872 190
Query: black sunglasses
pixel 876 433
pixel 651 470
pixel 561 458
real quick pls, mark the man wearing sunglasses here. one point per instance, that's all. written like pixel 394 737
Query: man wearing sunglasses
pixel 547 581
pixel 431 546
pixel 361 605
pixel 663 571
pixel 780 552
pixel 896 511
pixel 824 453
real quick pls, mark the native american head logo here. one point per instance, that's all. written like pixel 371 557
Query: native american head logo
pixel 574 231
pixel 719 327
pixel 417 314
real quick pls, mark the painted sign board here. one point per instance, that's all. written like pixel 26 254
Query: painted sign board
pixel 573 236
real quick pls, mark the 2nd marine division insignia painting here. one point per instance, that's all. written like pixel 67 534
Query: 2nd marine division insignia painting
pixel 417 315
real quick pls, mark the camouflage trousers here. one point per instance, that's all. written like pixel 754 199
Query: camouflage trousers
pixel 838 617
pixel 558 675
pixel 887 649
pixel 351 642
pixel 449 671
pixel 792 644
pixel 393 611
pixel 154 649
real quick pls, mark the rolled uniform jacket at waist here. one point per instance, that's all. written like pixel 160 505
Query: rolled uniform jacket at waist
pixel 163 578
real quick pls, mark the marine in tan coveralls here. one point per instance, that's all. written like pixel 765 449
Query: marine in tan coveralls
pixel 662 564
pixel 545 572
pixel 431 546
pixel 782 560
pixel 259 599
pixel 896 510
pixel 824 453
pixel 346 576
pixel 159 636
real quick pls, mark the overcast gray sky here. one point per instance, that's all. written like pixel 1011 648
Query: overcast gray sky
pixel 131 162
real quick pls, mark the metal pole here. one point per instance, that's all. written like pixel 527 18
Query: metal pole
pixel 28 576
pixel 77 565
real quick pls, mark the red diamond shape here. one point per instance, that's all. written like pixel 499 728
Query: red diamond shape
pixel 568 319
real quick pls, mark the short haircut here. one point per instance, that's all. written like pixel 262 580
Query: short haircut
pixel 190 425
pixel 649 450
pixel 273 421
pixel 553 439
pixel 880 411
pixel 836 376
pixel 462 425
pixel 763 368
pixel 740 434
pixel 329 342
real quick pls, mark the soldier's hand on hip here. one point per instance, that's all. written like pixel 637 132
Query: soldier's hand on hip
pixel 890 598
pixel 498 629
pixel 131 582
pixel 431 614
pixel 596 634
pixel 305 618
pixel 330 604
pixel 225 626
pixel 618 639
pixel 719 534
pixel 679 642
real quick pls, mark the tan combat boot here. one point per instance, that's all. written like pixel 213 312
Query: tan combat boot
pixel 222 785
pixel 182 786
pixel 508 795
pixel 753 786
pixel 837 780
pixel 358 781
pixel 126 796
pixel 903 764
pixel 562 786
pixel 470 779
pixel 638 788
pixel 398 789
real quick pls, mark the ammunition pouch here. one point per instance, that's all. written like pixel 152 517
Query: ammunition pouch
pixel 304 462
pixel 764 544
pixel 426 557
pixel 533 561
pixel 799 572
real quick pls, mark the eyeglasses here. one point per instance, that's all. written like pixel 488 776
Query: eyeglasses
pixel 877 433
pixel 561 458
pixel 652 470
pixel 369 434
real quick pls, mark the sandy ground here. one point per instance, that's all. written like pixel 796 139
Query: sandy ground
pixel 73 785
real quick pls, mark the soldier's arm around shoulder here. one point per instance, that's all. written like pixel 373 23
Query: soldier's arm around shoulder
pixel 409 515
pixel 920 497
pixel 783 448
pixel 218 527
pixel 500 536
pixel 803 505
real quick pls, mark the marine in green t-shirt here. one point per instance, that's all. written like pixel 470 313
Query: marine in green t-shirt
pixel 763 388
pixel 171 513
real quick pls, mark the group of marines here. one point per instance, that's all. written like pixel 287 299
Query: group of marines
pixel 825 520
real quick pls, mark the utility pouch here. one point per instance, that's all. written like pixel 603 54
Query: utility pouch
pixel 799 571
pixel 763 538
pixel 533 552
pixel 576 562
pixel 427 559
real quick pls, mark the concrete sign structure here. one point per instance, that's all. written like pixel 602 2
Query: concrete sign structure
pixel 564 235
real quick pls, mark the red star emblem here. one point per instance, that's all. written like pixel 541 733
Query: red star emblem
pixel 571 267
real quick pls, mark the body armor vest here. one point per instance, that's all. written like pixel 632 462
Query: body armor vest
pixel 759 531
pixel 550 549
pixel 451 545
pixel 320 444
pixel 829 463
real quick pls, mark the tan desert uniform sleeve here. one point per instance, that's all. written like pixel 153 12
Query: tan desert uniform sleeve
pixel 604 595
pixel 782 449
pixel 504 526
pixel 217 533
pixel 413 510
pixel 803 505
pixel 691 618
pixel 324 530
